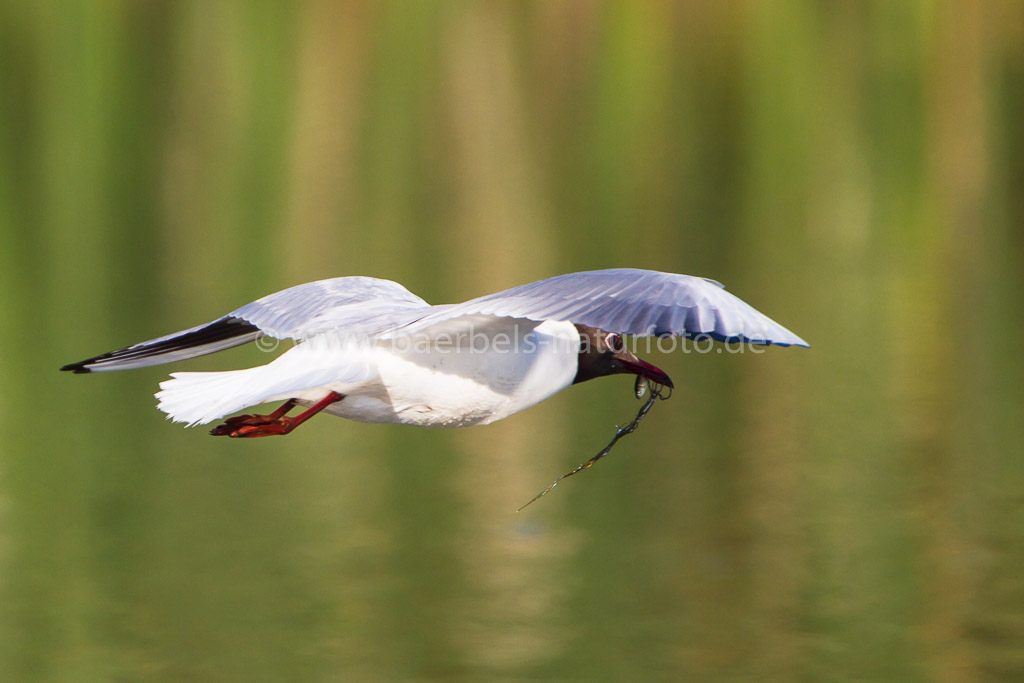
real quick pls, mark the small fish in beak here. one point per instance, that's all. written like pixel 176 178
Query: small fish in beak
pixel 640 387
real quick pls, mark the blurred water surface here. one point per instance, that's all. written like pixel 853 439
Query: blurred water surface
pixel 851 512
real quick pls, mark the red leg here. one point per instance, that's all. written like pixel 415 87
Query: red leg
pixel 232 423
pixel 251 426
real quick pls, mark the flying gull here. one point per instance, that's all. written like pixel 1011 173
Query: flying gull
pixel 370 350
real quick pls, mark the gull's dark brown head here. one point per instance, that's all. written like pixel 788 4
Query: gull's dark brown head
pixel 605 353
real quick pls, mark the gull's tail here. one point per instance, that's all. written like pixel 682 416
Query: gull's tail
pixel 201 397
pixel 307 372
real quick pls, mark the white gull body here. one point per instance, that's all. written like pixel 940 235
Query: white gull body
pixel 400 381
pixel 394 358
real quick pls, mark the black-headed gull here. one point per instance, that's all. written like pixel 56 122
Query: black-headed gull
pixel 370 350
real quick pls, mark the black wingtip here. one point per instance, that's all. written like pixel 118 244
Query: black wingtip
pixel 77 368
pixel 220 330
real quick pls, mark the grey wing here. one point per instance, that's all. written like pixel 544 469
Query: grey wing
pixel 630 301
pixel 295 313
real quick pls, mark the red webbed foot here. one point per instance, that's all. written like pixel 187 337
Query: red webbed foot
pixel 252 426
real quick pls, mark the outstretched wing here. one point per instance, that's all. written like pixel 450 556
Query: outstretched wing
pixel 295 313
pixel 628 301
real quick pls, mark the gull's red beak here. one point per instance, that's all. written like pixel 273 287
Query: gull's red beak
pixel 631 363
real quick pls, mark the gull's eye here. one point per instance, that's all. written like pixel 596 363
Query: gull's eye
pixel 614 343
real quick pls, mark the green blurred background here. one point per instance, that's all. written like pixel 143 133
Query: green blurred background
pixel 854 512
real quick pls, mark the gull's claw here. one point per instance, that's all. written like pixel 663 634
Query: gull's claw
pixel 251 426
